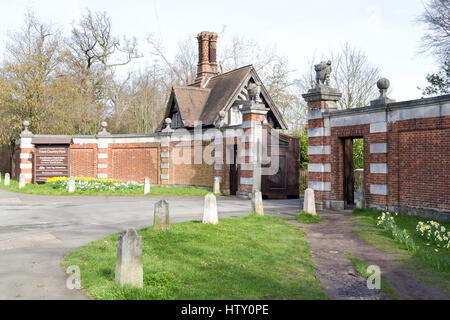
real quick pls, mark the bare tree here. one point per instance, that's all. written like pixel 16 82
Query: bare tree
pixel 437 39
pixel 93 57
pixel 242 51
pixel 354 76
pixel 286 94
pixel 140 103
pixel 182 69
pixel 93 43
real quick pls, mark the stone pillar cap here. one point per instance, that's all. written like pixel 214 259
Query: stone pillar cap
pixel 254 108
pixel 322 93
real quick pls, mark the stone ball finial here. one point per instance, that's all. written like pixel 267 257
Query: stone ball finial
pixel 104 124
pixel 222 114
pixel 383 84
pixel 25 131
pixel 167 121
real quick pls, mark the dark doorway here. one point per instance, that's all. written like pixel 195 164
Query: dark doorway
pixel 233 171
pixel 284 182
pixel 348 172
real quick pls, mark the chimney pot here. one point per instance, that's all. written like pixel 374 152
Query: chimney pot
pixel 207 65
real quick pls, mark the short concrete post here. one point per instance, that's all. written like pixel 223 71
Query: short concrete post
pixel 71 184
pixel 21 181
pixel 161 219
pixel 146 185
pixel 309 204
pixel 7 182
pixel 129 270
pixel 216 189
pixel 360 199
pixel 257 204
pixel 210 210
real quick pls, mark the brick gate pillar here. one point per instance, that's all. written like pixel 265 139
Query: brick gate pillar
pixel 165 152
pixel 253 116
pixel 26 154
pixel 321 100
pixel 103 154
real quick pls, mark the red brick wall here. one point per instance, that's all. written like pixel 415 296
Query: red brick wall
pixel 418 162
pixel 201 175
pixel 134 164
pixel 83 160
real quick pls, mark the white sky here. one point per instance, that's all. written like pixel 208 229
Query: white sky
pixel 385 30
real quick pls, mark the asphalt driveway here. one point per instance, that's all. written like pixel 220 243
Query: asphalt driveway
pixel 36 232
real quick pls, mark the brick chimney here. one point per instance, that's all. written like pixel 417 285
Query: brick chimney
pixel 207 61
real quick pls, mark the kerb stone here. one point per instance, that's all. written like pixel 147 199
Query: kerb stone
pixel 71 185
pixel 309 205
pixel 161 220
pixel 216 188
pixel 146 185
pixel 129 270
pixel 360 199
pixel 210 210
pixel 21 181
pixel 257 204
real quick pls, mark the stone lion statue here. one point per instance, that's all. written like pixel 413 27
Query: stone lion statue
pixel 323 71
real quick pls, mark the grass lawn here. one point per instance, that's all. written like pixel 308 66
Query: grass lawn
pixel 361 268
pixel 44 189
pixel 367 230
pixel 304 217
pixel 251 257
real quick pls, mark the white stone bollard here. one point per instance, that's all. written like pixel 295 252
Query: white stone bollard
pixel 146 185
pixel 210 209
pixel 7 180
pixel 129 270
pixel 309 204
pixel 161 220
pixel 216 188
pixel 360 199
pixel 257 204
pixel 71 185
pixel 21 181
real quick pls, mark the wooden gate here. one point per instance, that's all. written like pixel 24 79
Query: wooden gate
pixel 285 182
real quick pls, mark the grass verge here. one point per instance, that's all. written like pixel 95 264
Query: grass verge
pixel 44 189
pixel 304 217
pixel 251 257
pixel 361 268
pixel 366 229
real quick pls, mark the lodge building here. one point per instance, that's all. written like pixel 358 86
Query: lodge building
pixel 224 126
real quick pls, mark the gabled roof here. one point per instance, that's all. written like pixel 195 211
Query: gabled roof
pixel 224 89
pixel 204 104
pixel 190 101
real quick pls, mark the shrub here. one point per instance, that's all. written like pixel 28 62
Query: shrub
pixel 84 184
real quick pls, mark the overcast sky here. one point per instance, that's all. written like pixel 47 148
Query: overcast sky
pixel 385 30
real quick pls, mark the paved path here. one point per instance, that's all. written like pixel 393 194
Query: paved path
pixel 332 238
pixel 37 231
